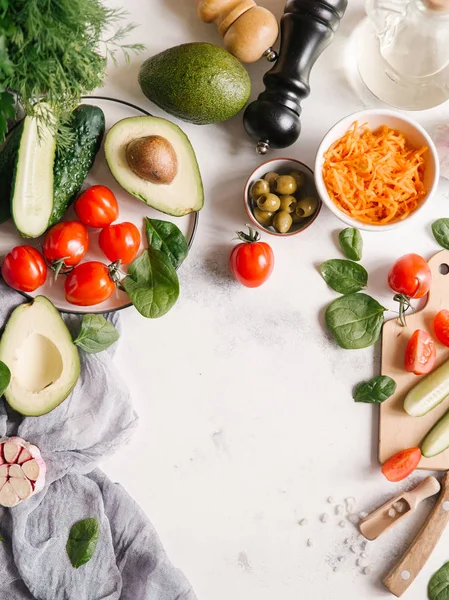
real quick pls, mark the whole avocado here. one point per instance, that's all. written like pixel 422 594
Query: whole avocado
pixel 197 82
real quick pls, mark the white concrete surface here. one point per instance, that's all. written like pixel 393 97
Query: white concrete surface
pixel 246 418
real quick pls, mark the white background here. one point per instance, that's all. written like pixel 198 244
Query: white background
pixel 246 418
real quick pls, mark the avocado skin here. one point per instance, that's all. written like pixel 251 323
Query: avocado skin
pixel 197 82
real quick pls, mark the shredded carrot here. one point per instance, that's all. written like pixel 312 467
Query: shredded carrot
pixel 375 177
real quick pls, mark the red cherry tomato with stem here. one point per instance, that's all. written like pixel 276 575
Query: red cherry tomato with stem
pixel 401 465
pixel 410 277
pixel 97 207
pixel 90 283
pixel 120 242
pixel 441 327
pixel 420 354
pixel 252 261
pixel 65 245
pixel 24 269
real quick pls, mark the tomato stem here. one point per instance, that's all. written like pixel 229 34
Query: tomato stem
pixel 250 237
pixel 404 306
pixel 114 272
pixel 58 265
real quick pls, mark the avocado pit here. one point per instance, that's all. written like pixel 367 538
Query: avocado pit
pixel 152 158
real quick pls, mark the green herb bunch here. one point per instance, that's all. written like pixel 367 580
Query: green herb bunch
pixel 56 51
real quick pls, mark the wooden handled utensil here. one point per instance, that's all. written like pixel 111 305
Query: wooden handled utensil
pixel 397 509
pixel 249 31
pixel 407 569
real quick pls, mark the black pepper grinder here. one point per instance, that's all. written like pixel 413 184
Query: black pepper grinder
pixel 307 28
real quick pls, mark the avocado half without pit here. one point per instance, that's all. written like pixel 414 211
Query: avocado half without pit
pixel 152 159
pixel 37 348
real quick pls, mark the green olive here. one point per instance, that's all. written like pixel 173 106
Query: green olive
pixel 288 203
pixel 285 184
pixel 306 206
pixel 259 187
pixel 271 178
pixel 263 217
pixel 299 177
pixel 268 202
pixel 282 221
pixel 296 218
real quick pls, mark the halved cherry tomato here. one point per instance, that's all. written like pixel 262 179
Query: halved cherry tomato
pixel 89 283
pixel 120 242
pixel 441 327
pixel 420 354
pixel 97 206
pixel 24 269
pixel 251 262
pixel 65 245
pixel 401 465
pixel 410 275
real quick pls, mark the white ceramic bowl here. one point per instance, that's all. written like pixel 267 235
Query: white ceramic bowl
pixel 415 135
pixel 282 166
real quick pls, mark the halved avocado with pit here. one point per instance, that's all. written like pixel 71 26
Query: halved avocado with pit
pixel 44 362
pixel 152 159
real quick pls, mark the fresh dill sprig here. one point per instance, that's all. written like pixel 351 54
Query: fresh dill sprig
pixel 54 51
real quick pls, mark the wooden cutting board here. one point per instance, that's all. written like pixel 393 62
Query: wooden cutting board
pixel 397 430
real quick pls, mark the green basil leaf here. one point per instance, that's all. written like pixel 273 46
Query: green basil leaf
pixel 82 541
pixel 355 321
pixel 96 334
pixel 167 237
pixel 440 230
pixel 152 284
pixel 351 243
pixel 5 377
pixel 438 588
pixel 376 390
pixel 1 538
pixel 344 276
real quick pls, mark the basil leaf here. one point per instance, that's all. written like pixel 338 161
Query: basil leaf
pixel 152 284
pixel 440 230
pixel 438 588
pixel 351 243
pixel 344 276
pixel 82 541
pixel 355 321
pixel 167 237
pixel 96 334
pixel 1 538
pixel 376 390
pixel 5 377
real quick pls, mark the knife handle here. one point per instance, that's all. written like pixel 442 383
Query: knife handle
pixel 404 573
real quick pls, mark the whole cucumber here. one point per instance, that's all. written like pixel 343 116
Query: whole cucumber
pixel 73 164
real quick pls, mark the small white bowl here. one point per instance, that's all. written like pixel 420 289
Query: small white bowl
pixel 282 166
pixel 415 135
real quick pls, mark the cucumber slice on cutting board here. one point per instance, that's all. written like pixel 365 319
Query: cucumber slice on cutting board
pixel 32 188
pixel 437 440
pixel 429 392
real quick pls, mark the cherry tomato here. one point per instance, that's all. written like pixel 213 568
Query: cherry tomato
pixel 410 275
pixel 97 206
pixel 420 354
pixel 120 242
pixel 24 269
pixel 441 327
pixel 251 262
pixel 401 465
pixel 65 245
pixel 89 283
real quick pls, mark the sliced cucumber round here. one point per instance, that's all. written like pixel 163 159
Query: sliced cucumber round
pixel 437 440
pixel 429 392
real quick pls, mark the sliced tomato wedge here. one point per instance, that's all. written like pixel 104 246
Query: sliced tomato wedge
pixel 401 465
pixel 441 327
pixel 420 354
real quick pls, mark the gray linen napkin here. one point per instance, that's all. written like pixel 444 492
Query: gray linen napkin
pixel 130 562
